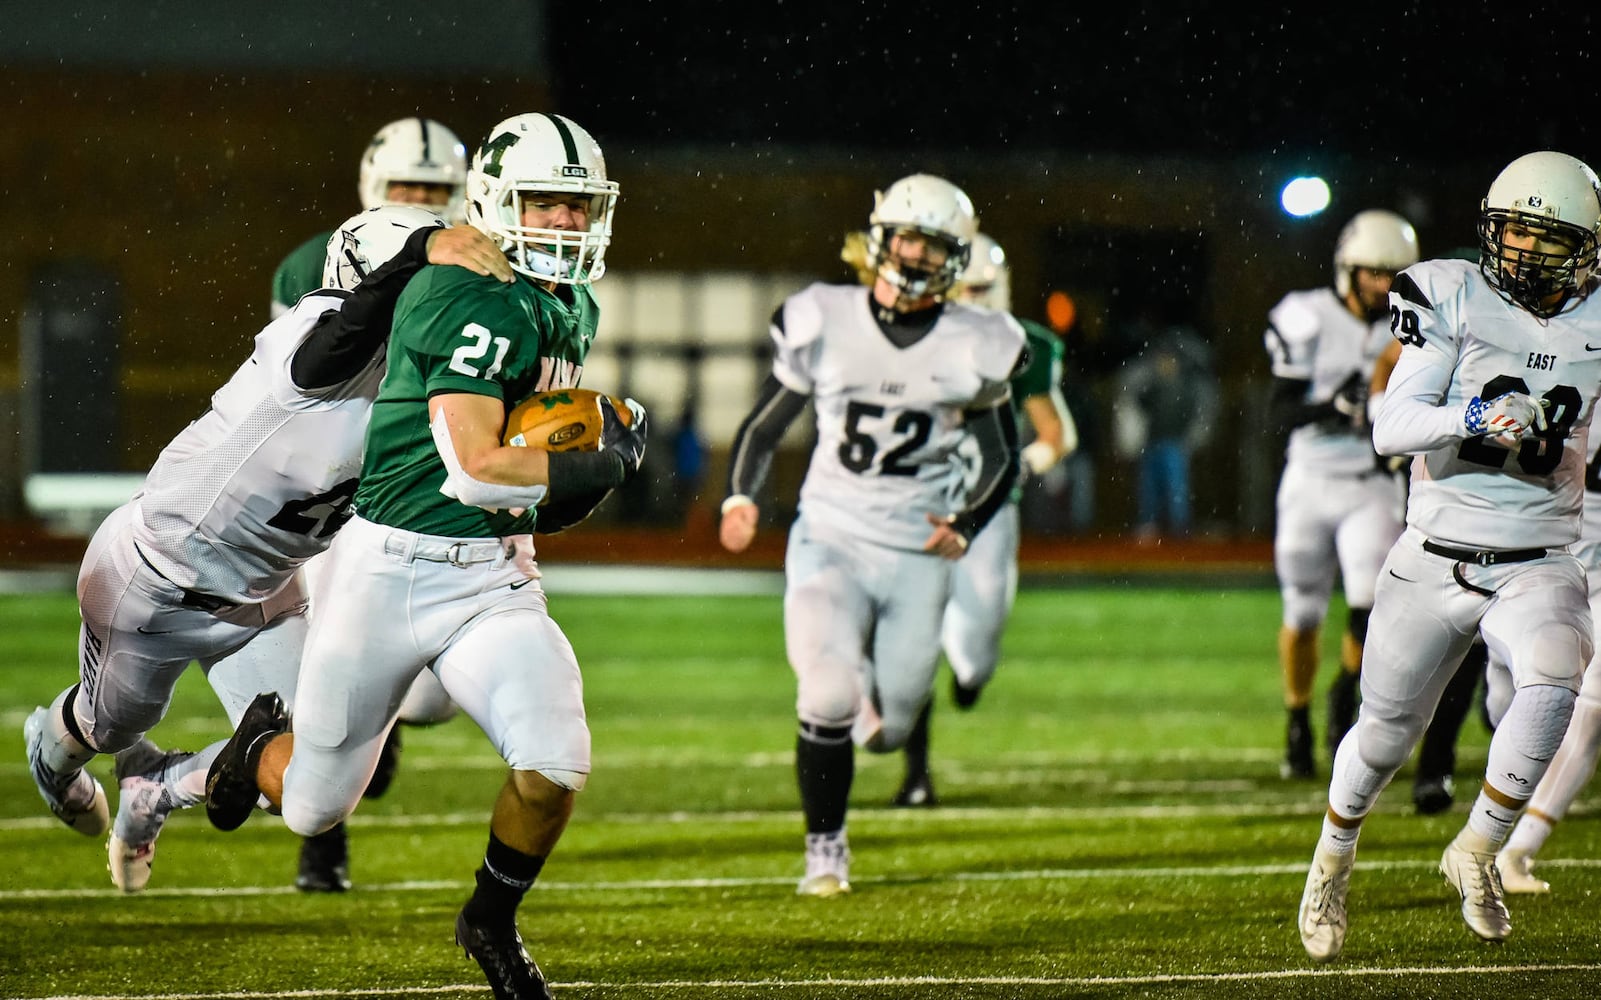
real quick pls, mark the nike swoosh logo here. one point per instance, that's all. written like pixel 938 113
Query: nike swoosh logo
pixel 519 586
pixel 145 631
pixel 1589 348
pixel 1400 577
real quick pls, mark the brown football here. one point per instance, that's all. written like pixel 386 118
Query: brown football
pixel 560 420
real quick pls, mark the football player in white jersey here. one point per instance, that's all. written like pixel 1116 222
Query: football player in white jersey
pixel 1574 765
pixel 899 377
pixel 201 565
pixel 984 582
pixel 1339 509
pixel 1493 395
pixel 417 162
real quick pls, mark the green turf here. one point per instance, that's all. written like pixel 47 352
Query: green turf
pixel 1113 826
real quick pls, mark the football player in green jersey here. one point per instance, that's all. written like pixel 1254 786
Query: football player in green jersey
pixel 412 161
pixel 436 570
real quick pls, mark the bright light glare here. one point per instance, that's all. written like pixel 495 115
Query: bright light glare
pixel 1305 196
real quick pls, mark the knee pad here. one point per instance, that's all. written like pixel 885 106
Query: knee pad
pixel 1357 624
pixel 1556 656
pixel 310 819
pixel 1385 744
pixel 1304 608
pixel 573 781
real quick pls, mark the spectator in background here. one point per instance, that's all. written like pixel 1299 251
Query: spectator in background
pixel 1163 413
pixel 689 459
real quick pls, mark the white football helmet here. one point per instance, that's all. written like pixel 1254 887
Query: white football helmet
pixel 1376 239
pixel 934 208
pixel 418 151
pixel 542 153
pixel 988 279
pixel 1558 199
pixel 370 239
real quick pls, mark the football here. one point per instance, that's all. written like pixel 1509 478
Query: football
pixel 560 420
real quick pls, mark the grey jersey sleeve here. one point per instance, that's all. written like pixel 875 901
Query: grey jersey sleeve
pixel 752 455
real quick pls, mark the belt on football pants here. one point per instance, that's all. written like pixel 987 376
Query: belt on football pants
pixel 1484 557
pixel 191 598
pixel 438 550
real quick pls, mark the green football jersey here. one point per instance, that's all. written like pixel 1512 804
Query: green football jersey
pixel 300 272
pixel 456 331
pixel 1043 372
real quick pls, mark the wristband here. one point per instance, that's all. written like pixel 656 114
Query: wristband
pixel 737 500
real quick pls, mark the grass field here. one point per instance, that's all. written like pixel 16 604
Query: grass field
pixel 1113 825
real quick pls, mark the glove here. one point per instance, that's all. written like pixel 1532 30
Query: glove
pixel 1038 457
pixel 628 441
pixel 1510 415
pixel 1351 401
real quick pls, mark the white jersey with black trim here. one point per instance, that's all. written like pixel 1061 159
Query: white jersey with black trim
pixel 889 419
pixel 261 481
pixel 1313 337
pixel 1461 339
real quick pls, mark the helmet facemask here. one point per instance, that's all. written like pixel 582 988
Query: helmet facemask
pixel 931 275
pixel 565 256
pixel 1541 282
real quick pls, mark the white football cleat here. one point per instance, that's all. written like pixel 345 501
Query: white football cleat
pixel 143 805
pixel 1477 879
pixel 1516 866
pixel 828 866
pixel 1322 919
pixel 77 799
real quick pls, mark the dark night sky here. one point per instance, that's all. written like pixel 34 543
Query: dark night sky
pixel 1424 83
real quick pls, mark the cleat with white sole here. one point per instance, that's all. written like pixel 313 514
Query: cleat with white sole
pixel 143 804
pixel 1322 918
pixel 1477 879
pixel 77 799
pixel 1516 866
pixel 828 866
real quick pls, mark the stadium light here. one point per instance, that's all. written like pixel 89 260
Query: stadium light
pixel 1305 196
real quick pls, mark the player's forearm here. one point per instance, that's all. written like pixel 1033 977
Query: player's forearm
pixel 751 455
pixel 1410 419
pixel 344 341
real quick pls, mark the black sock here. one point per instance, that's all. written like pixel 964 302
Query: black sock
pixel 69 718
pixel 917 744
pixel 503 879
pixel 825 766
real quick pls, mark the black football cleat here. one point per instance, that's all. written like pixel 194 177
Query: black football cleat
pixel 916 791
pixel 965 697
pixel 1297 748
pixel 1432 794
pixel 231 789
pixel 388 764
pixel 325 862
pixel 1345 694
pixel 511 973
